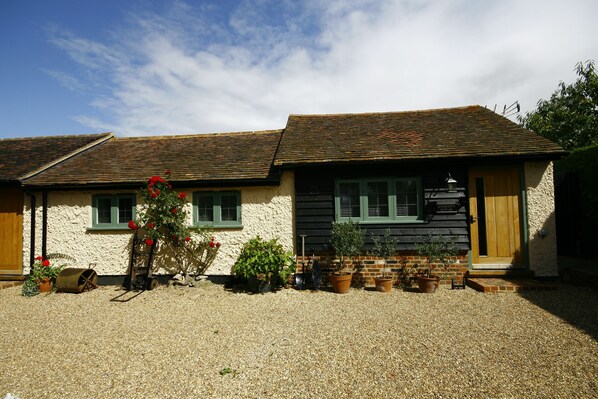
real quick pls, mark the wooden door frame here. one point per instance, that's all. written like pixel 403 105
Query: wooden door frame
pixel 519 169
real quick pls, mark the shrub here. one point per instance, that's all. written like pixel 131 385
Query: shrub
pixel 265 260
pixel 347 240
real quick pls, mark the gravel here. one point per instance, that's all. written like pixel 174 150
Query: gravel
pixel 176 342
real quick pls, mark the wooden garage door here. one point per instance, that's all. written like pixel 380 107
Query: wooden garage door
pixel 11 232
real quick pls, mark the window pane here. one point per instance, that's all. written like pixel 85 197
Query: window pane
pixel 406 193
pixel 349 199
pixel 228 207
pixel 377 199
pixel 205 208
pixel 125 210
pixel 104 206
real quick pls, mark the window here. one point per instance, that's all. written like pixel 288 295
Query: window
pixel 217 208
pixel 113 211
pixel 385 200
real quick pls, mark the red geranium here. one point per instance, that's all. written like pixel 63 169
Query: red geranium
pixel 45 263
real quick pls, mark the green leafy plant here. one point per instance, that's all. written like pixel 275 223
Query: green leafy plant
pixel 228 370
pixel 438 251
pixel 384 247
pixel 347 240
pixel 29 288
pixel 44 267
pixel 266 260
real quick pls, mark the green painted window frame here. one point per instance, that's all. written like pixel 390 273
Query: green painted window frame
pixel 392 201
pixel 114 211
pixel 216 197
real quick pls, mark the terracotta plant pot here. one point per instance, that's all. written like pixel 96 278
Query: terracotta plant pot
pixel 428 284
pixel 45 285
pixel 384 284
pixel 341 282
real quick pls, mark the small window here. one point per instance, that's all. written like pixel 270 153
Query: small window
pixel 113 211
pixel 217 208
pixel 381 200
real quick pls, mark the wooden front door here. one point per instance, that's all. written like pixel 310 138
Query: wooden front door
pixel 495 218
pixel 11 232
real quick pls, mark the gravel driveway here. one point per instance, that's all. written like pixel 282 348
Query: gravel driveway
pixel 209 342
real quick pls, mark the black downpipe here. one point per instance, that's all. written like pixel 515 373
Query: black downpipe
pixel 44 223
pixel 32 243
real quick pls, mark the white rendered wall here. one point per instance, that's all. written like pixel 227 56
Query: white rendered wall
pixel 266 211
pixel 539 185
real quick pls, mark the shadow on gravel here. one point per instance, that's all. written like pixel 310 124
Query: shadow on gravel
pixel 575 305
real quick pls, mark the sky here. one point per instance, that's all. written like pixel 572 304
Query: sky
pixel 148 67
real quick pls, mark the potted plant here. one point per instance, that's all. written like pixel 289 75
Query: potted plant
pixel 44 274
pixel 384 247
pixel 438 251
pixel 347 241
pixel 264 264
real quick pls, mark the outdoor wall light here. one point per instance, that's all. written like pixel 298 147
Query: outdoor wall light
pixel 543 233
pixel 451 184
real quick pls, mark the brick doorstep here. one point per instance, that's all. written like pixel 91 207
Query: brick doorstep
pixel 508 285
pixel 8 284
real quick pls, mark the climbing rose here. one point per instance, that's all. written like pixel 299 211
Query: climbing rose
pixel 217 245
pixel 150 225
pixel 211 244
pixel 187 239
pixel 149 242
pixel 45 262
pixel 182 195
pixel 173 210
pixel 132 225
pixel 39 258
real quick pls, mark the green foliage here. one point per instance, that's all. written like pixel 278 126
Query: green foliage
pixel 266 260
pixel 228 370
pixel 384 247
pixel 29 288
pixel 47 268
pixel 347 239
pixel 437 250
pixel 570 117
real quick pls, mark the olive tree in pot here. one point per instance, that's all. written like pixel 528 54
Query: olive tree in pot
pixel 439 252
pixel 347 241
pixel 384 247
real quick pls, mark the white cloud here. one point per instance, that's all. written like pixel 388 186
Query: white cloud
pixel 186 72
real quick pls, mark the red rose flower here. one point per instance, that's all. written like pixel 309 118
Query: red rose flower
pixel 150 225
pixel 46 262
pixel 174 238
pixel 132 225
pixel 211 244
pixel 217 245
pixel 187 239
pixel 173 210
pixel 182 195
pixel 149 242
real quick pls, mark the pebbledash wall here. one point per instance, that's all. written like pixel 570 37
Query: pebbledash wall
pixel 541 225
pixel 266 211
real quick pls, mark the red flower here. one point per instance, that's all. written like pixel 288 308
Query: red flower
pixel 46 262
pixel 168 172
pixel 173 210
pixel 211 244
pixel 217 245
pixel 187 239
pixel 154 194
pixel 132 225
pixel 182 195
pixel 39 258
pixel 150 225
pixel 149 242
pixel 155 179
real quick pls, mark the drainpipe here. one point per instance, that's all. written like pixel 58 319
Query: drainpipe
pixel 32 238
pixel 44 223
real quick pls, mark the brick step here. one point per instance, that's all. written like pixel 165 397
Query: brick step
pixel 497 273
pixel 497 284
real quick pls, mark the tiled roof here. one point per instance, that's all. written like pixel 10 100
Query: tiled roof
pixel 23 156
pixel 472 131
pixel 191 158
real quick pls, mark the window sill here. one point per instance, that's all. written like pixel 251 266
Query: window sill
pixel 218 227
pixel 108 228
pixel 419 221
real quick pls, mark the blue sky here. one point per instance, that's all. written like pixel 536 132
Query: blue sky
pixel 143 67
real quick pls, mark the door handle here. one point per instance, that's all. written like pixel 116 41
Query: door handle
pixel 472 219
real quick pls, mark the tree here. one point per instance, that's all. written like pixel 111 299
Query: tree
pixel 570 117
